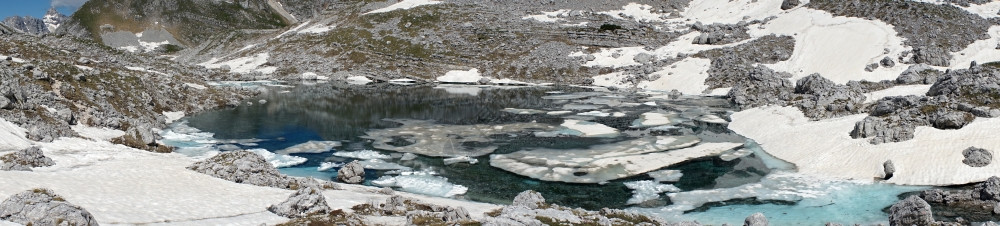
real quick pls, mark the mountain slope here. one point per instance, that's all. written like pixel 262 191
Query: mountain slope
pixel 188 21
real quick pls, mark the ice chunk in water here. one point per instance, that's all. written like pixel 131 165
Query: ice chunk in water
pixel 650 119
pixel 328 165
pixel 363 154
pixel 648 190
pixel 666 175
pixel 310 147
pixel 606 162
pixel 279 160
pixel 421 183
pixel 378 164
pixel 427 138
pixel 470 160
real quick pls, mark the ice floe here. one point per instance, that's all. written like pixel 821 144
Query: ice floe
pixel 651 119
pixel 666 175
pixel 428 138
pixel 379 164
pixel 606 162
pixel 313 146
pixel 278 160
pixel 362 154
pixel 646 190
pixel 358 80
pixel 422 183
pixel 587 129
pixel 466 159
pixel 328 165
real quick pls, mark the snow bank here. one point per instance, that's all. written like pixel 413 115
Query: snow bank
pixel 825 149
pixel 466 77
pixel 173 116
pixel 638 12
pixel 548 17
pixel 313 146
pixel 838 48
pixel 606 162
pixel 687 76
pixel 918 90
pixel 243 64
pixel 405 4
pixel 12 137
pixel 279 160
pixel 97 133
pixel 981 51
pixel 730 11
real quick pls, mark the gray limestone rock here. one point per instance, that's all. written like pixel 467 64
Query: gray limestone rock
pixel 43 207
pixel 819 97
pixel 529 199
pixel 887 62
pixel 871 67
pixel 24 160
pixel 946 119
pixel 977 157
pixel 789 4
pixel 889 169
pixel 250 168
pixel 304 202
pixel 910 211
pixel 352 173
pixel 643 58
pixel 756 219
pixel 989 189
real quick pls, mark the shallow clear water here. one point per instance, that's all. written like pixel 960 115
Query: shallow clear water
pixel 290 116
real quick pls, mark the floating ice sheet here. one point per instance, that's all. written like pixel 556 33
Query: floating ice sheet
pixel 427 138
pixel 606 162
pixel 279 160
pixel 422 183
pixel 363 154
pixel 310 147
pixel 666 175
pixel 646 190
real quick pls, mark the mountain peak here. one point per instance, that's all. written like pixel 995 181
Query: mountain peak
pixel 53 19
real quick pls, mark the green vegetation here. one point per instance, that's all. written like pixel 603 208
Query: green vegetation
pixel 609 27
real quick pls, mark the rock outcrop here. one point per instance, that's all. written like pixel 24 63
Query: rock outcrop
pixel 756 219
pixel 889 169
pixel 529 208
pixel 304 202
pixel 978 203
pixel 250 168
pixel 24 160
pixel 977 157
pixel 789 4
pixel 43 207
pixel 910 211
pixel 529 199
pixel 819 97
pixel 352 173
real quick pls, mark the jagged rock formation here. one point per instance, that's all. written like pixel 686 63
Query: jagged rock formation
pixel 821 98
pixel 24 160
pixel 910 211
pixel 719 34
pixel 27 24
pixel 43 207
pixel 250 168
pixel 756 219
pixel 352 173
pixel 955 99
pixel 529 199
pixel 304 202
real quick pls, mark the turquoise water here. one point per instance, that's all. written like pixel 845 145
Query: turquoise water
pixel 345 113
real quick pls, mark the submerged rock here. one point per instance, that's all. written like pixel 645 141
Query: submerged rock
pixel 977 157
pixel 352 173
pixel 43 207
pixel 24 160
pixel 304 202
pixel 910 211
pixel 756 219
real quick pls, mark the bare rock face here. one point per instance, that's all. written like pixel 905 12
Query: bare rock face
pixel 889 169
pixel 304 202
pixel 989 189
pixel 250 168
pixel 24 160
pixel 819 97
pixel 910 211
pixel 977 157
pixel 43 207
pixel 756 219
pixel 352 173
pixel 529 199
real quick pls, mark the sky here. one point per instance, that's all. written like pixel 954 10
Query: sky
pixel 37 8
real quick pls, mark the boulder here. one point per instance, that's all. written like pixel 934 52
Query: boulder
pixel 989 189
pixel 871 67
pixel 306 201
pixel 910 211
pixel 352 173
pixel 789 4
pixel 529 199
pixel 977 157
pixel 887 62
pixel 643 58
pixel 951 119
pixel 889 169
pixel 43 207
pixel 24 160
pixel 756 219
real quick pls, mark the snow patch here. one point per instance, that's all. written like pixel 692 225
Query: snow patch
pixel 548 17
pixel 12 137
pixel 466 77
pixel 422 183
pixel 172 116
pixel 638 12
pixel 404 4
pixel 97 133
pixel 243 64
pixel 906 90
pixel 687 76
